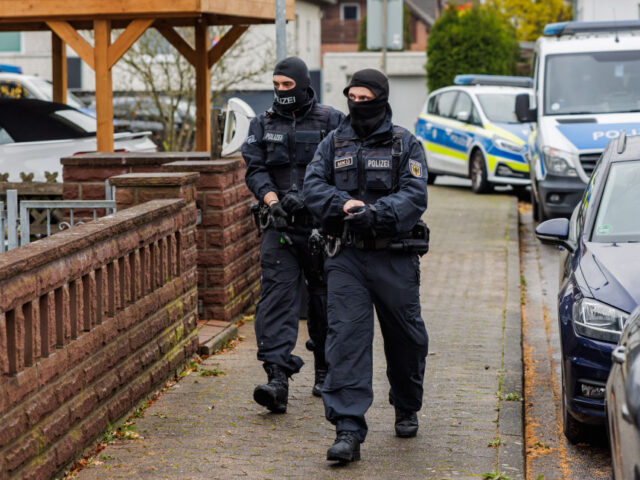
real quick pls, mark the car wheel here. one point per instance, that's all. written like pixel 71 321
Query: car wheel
pixel 478 172
pixel 573 430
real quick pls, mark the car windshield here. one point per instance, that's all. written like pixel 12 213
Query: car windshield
pixel 47 89
pixel 595 82
pixel 618 219
pixel 499 107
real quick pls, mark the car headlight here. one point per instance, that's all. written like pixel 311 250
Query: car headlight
pixel 559 162
pixel 598 320
pixel 504 144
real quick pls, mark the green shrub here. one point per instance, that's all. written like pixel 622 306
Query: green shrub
pixel 466 39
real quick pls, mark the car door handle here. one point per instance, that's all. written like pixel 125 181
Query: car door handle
pixel 619 355
pixel 448 131
pixel 624 410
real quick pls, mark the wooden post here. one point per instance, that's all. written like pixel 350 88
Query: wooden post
pixel 104 86
pixel 203 89
pixel 59 68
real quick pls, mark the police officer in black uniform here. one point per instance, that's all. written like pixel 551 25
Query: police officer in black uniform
pixel 370 175
pixel 280 144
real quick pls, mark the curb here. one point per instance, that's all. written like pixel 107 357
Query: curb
pixel 213 344
pixel 511 459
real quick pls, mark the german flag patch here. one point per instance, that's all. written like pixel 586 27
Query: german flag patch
pixel 416 168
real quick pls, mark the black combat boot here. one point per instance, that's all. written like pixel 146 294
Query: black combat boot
pixel 406 423
pixel 345 449
pixel 320 365
pixel 273 395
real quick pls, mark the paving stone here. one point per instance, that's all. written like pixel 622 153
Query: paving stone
pixel 209 427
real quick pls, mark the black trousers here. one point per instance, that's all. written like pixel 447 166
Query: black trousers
pixel 357 281
pixel 278 311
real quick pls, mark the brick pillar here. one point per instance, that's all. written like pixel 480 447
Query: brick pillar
pixel 136 188
pixel 228 245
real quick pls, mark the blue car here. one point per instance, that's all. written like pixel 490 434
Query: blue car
pixel 600 280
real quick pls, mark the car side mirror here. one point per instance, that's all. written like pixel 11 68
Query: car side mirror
pixel 462 116
pixel 555 232
pixel 524 113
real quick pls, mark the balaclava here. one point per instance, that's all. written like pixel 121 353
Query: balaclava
pixel 294 99
pixel 366 117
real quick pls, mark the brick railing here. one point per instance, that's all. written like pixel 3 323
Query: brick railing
pixel 91 319
pixel 228 246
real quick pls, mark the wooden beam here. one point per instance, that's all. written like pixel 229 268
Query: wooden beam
pixel 59 68
pixel 104 87
pixel 72 38
pixel 175 39
pixel 127 38
pixel 203 89
pixel 225 43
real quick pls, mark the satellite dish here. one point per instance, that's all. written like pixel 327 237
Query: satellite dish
pixel 236 125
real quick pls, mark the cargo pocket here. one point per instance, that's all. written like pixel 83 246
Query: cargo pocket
pixel 378 174
pixel 306 144
pixel 277 151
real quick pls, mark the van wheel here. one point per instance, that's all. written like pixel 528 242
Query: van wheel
pixel 478 172
pixel 535 207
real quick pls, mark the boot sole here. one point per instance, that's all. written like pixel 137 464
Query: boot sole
pixel 343 458
pixel 263 398
pixel 406 434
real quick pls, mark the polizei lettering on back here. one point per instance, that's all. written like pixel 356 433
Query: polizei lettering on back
pixel 343 162
pixel 378 163
pixel 274 137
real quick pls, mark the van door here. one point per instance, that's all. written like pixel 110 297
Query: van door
pixel 461 135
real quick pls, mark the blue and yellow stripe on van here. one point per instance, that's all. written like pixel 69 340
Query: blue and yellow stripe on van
pixel 454 145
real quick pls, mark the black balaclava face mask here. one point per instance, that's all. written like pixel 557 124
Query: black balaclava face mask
pixel 367 116
pixel 295 98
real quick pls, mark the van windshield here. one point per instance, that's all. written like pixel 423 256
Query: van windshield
pixel 595 82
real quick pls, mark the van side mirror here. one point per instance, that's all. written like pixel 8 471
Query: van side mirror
pixel 555 232
pixel 463 116
pixel 524 113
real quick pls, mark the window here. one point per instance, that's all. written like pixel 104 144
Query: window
pixel 10 42
pixel 350 11
pixel 13 89
pixel 463 108
pixel 445 103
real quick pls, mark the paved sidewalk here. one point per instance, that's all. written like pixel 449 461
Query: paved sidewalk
pixel 208 427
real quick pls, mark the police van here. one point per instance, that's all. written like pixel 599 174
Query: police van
pixel 586 91
pixel 471 130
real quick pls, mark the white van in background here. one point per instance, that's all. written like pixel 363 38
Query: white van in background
pixel 586 91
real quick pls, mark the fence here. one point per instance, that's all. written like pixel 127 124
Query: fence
pixel 15 231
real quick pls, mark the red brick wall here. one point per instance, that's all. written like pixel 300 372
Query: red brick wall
pixel 91 319
pixel 228 245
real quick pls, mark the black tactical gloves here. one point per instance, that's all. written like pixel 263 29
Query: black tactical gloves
pixel 279 216
pixel 362 219
pixel 292 202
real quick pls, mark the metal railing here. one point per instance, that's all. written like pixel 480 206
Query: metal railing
pixel 18 229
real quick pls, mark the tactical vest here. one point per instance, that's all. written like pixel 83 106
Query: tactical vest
pixel 367 173
pixel 291 144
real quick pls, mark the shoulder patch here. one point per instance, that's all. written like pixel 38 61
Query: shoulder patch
pixel 416 168
pixel 342 162
pixel 251 139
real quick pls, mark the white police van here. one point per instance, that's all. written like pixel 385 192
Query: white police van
pixel 471 130
pixel 586 91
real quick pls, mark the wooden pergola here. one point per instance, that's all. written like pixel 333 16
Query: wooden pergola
pixel 64 19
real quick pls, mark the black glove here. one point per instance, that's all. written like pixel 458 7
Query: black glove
pixel 279 217
pixel 362 219
pixel 292 202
